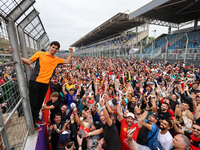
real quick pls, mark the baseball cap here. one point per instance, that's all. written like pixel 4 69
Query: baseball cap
pixel 155 115
pixel 72 89
pixel 64 137
pixel 97 124
pixel 130 114
pixel 114 116
pixel 91 101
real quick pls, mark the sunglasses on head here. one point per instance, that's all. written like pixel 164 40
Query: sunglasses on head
pixel 195 128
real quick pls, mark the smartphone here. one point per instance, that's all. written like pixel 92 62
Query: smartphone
pixel 132 130
pixel 82 132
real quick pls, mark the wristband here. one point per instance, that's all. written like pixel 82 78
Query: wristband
pixel 57 130
pixel 103 107
pixel 89 133
pixel 146 110
pixel 79 145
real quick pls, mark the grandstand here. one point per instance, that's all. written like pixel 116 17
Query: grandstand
pixel 181 44
pixel 123 35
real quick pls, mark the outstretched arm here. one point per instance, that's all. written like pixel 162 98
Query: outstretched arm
pixel 67 60
pixel 105 112
pixel 26 61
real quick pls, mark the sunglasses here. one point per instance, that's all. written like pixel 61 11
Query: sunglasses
pixel 198 96
pixel 195 128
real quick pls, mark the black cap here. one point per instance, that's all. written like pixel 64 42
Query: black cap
pixel 114 116
pixel 97 124
pixel 155 115
pixel 186 102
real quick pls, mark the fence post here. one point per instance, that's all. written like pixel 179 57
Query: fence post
pixel 166 49
pixel 4 134
pixel 186 46
pixel 20 75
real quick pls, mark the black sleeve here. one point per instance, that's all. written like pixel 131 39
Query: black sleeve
pixel 187 134
pixel 73 131
pixel 49 102
pixel 56 104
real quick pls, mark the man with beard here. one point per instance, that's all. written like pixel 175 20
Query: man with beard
pixel 132 103
pixel 69 85
pixel 127 124
pixel 164 136
pixel 163 112
pixel 194 136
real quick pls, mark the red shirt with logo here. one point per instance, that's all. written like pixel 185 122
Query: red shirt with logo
pixel 123 133
pixel 195 142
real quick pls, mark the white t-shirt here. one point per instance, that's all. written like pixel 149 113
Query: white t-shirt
pixel 165 140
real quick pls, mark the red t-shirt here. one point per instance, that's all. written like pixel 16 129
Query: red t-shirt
pixel 123 134
pixel 193 140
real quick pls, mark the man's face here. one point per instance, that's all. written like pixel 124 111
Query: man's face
pixel 54 98
pixel 195 86
pixel 164 107
pixel 176 142
pixel 198 98
pixel 151 119
pixel 196 130
pixel 173 97
pixel 84 114
pixel 129 121
pixel 134 100
pixel 71 92
pixel 102 117
pixel 148 88
pixel 57 119
pixel 64 109
pixel 70 82
pixel 164 125
pixel 184 106
pixel 111 82
pixel 53 49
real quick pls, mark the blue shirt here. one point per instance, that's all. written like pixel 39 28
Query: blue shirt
pixel 70 99
pixel 154 127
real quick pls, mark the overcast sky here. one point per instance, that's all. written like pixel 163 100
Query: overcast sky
pixel 68 20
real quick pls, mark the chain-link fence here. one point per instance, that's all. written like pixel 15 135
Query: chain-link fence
pixel 12 115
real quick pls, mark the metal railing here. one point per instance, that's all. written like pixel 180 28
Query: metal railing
pixel 13 128
pixel 21 27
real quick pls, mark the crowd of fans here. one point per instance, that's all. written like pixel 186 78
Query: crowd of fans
pixel 113 103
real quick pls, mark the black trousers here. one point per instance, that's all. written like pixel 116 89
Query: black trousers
pixel 37 93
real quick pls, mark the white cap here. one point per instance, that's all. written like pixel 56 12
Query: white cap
pixel 130 114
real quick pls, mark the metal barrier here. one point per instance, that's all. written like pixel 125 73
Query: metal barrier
pixel 21 27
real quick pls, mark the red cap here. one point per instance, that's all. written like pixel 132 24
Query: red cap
pixel 148 86
pixel 91 101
